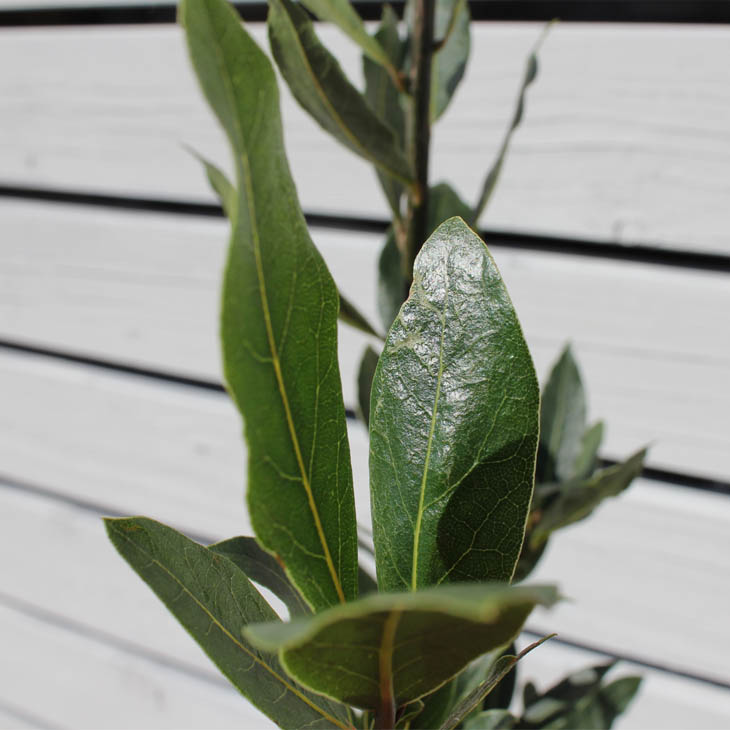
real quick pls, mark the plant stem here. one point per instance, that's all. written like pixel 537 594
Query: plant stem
pixel 419 132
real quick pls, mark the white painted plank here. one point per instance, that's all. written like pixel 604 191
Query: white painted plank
pixel 614 146
pixel 143 289
pixel 175 454
pixel 82 683
pixel 94 595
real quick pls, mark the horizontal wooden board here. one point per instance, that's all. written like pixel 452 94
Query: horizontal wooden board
pixel 625 139
pixel 143 290
pixel 81 594
pixel 175 454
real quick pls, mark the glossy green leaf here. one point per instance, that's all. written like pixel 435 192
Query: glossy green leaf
pixel 384 97
pixel 562 420
pixel 474 699
pixel 320 86
pixel 490 181
pixel 443 203
pixel 453 424
pixel 279 325
pixel 398 645
pixel 585 462
pixel 365 382
pixel 345 17
pixel 263 569
pixel 214 601
pixel 449 62
pixel 577 499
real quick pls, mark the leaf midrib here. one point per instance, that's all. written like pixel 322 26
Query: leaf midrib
pixel 228 634
pixel 246 169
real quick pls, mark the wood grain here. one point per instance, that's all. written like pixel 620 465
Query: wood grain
pixel 143 289
pixel 626 136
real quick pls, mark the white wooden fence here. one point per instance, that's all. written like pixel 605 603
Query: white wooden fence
pixel 627 139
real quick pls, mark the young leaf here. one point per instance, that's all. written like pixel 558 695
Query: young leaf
pixel 320 86
pixel 585 462
pixel 214 601
pixel 562 420
pixel 222 186
pixel 449 61
pixel 263 569
pixel 365 382
pixel 453 424
pixel 474 699
pixel 399 645
pixel 577 499
pixel 384 98
pixel 345 17
pixel 279 325
pixel 350 314
pixel 490 181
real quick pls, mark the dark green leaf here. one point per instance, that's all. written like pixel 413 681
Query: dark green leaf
pixel 349 314
pixel 263 569
pixel 214 601
pixel 279 325
pixel 501 695
pixel 585 462
pixel 384 98
pixel 577 499
pixel 449 61
pixel 402 644
pixel 345 17
pixel 493 175
pixel 435 706
pixel 453 425
pixel 320 86
pixel 391 283
pixel 491 720
pixel 562 420
pixel 365 382
pixel 474 699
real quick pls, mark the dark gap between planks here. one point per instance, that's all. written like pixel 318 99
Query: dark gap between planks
pixel 592 11
pixel 691 481
pixel 63 622
pixel 634 253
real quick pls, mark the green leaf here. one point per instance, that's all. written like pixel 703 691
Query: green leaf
pixel 474 699
pixel 580 700
pixel 577 499
pixel 449 61
pixel 366 582
pixel 490 181
pixel 562 420
pixel 320 86
pixel 263 569
pixel 443 203
pixel 453 424
pixel 345 17
pixel 491 720
pixel 365 382
pixel 279 325
pixel 436 705
pixel 214 601
pixel 222 186
pixel 384 97
pixel 349 314
pixel 585 462
pixel 399 645
pixel 391 283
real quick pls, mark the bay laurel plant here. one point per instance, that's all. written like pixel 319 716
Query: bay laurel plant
pixel 458 433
